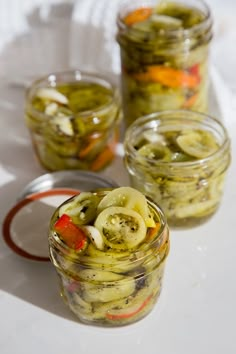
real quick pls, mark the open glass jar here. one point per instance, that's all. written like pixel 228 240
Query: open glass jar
pixel 179 159
pixel 73 119
pixel 164 54
pixel 113 275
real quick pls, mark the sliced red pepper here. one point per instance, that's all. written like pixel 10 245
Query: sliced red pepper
pixel 168 76
pixel 138 15
pixel 73 286
pixel 120 316
pixel 152 232
pixel 105 157
pixel 194 70
pixel 91 145
pixel 70 233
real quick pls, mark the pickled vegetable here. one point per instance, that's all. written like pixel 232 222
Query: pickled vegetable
pixel 181 164
pixel 164 53
pixel 73 124
pixel 116 277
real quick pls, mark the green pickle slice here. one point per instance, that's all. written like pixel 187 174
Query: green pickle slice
pixel 119 282
pixel 198 144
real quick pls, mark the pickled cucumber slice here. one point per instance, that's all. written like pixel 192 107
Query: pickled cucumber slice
pixel 198 144
pixel 155 151
pixel 64 125
pixel 165 22
pixel 130 198
pixel 82 209
pixel 81 305
pixel 95 236
pixel 196 209
pixel 121 227
pixel 52 95
pixel 108 292
pixel 99 275
pixel 51 109
pixel 107 255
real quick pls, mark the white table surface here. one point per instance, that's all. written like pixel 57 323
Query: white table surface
pixel 196 313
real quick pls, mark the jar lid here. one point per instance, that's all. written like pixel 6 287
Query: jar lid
pixel 25 227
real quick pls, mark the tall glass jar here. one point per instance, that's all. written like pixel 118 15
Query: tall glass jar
pixel 179 159
pixel 111 286
pixel 164 55
pixel 73 118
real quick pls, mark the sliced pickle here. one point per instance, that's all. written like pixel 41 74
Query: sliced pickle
pixel 107 255
pixel 156 152
pixel 81 305
pixel 64 125
pixel 104 292
pixel 122 228
pixel 164 22
pixel 130 198
pixel 198 144
pixel 95 236
pixel 196 209
pixel 94 275
pixel 50 94
pixel 82 209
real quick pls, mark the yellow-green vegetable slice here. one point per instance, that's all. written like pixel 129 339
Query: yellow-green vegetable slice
pixel 130 198
pixel 104 292
pixel 82 209
pixel 50 94
pixel 94 275
pixel 122 228
pixel 198 144
pixel 95 236
pixel 155 151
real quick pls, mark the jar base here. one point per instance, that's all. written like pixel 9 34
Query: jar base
pixel 190 222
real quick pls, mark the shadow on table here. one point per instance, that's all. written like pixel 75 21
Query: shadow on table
pixel 30 54
pixel 42 49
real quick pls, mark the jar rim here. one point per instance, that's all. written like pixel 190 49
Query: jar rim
pixel 180 116
pixel 139 254
pixel 76 76
pixel 204 25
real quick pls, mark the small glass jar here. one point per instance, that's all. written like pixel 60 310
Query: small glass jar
pixel 73 118
pixel 179 159
pixel 164 53
pixel 112 287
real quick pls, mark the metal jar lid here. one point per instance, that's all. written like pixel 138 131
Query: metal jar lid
pixel 25 227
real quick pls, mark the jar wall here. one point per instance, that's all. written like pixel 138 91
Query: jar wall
pixel 112 288
pixel 189 192
pixel 166 69
pixel 80 133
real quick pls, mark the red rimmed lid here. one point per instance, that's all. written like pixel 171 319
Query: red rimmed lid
pixel 25 227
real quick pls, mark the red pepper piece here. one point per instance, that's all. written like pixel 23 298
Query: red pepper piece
pixel 152 232
pixel 71 234
pixel 117 316
pixel 194 70
pixel 138 15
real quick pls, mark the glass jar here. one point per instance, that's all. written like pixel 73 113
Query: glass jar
pixel 164 54
pixel 112 286
pixel 179 159
pixel 73 119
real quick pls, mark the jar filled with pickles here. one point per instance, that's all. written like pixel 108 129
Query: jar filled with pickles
pixel 73 118
pixel 109 249
pixel 179 159
pixel 164 56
